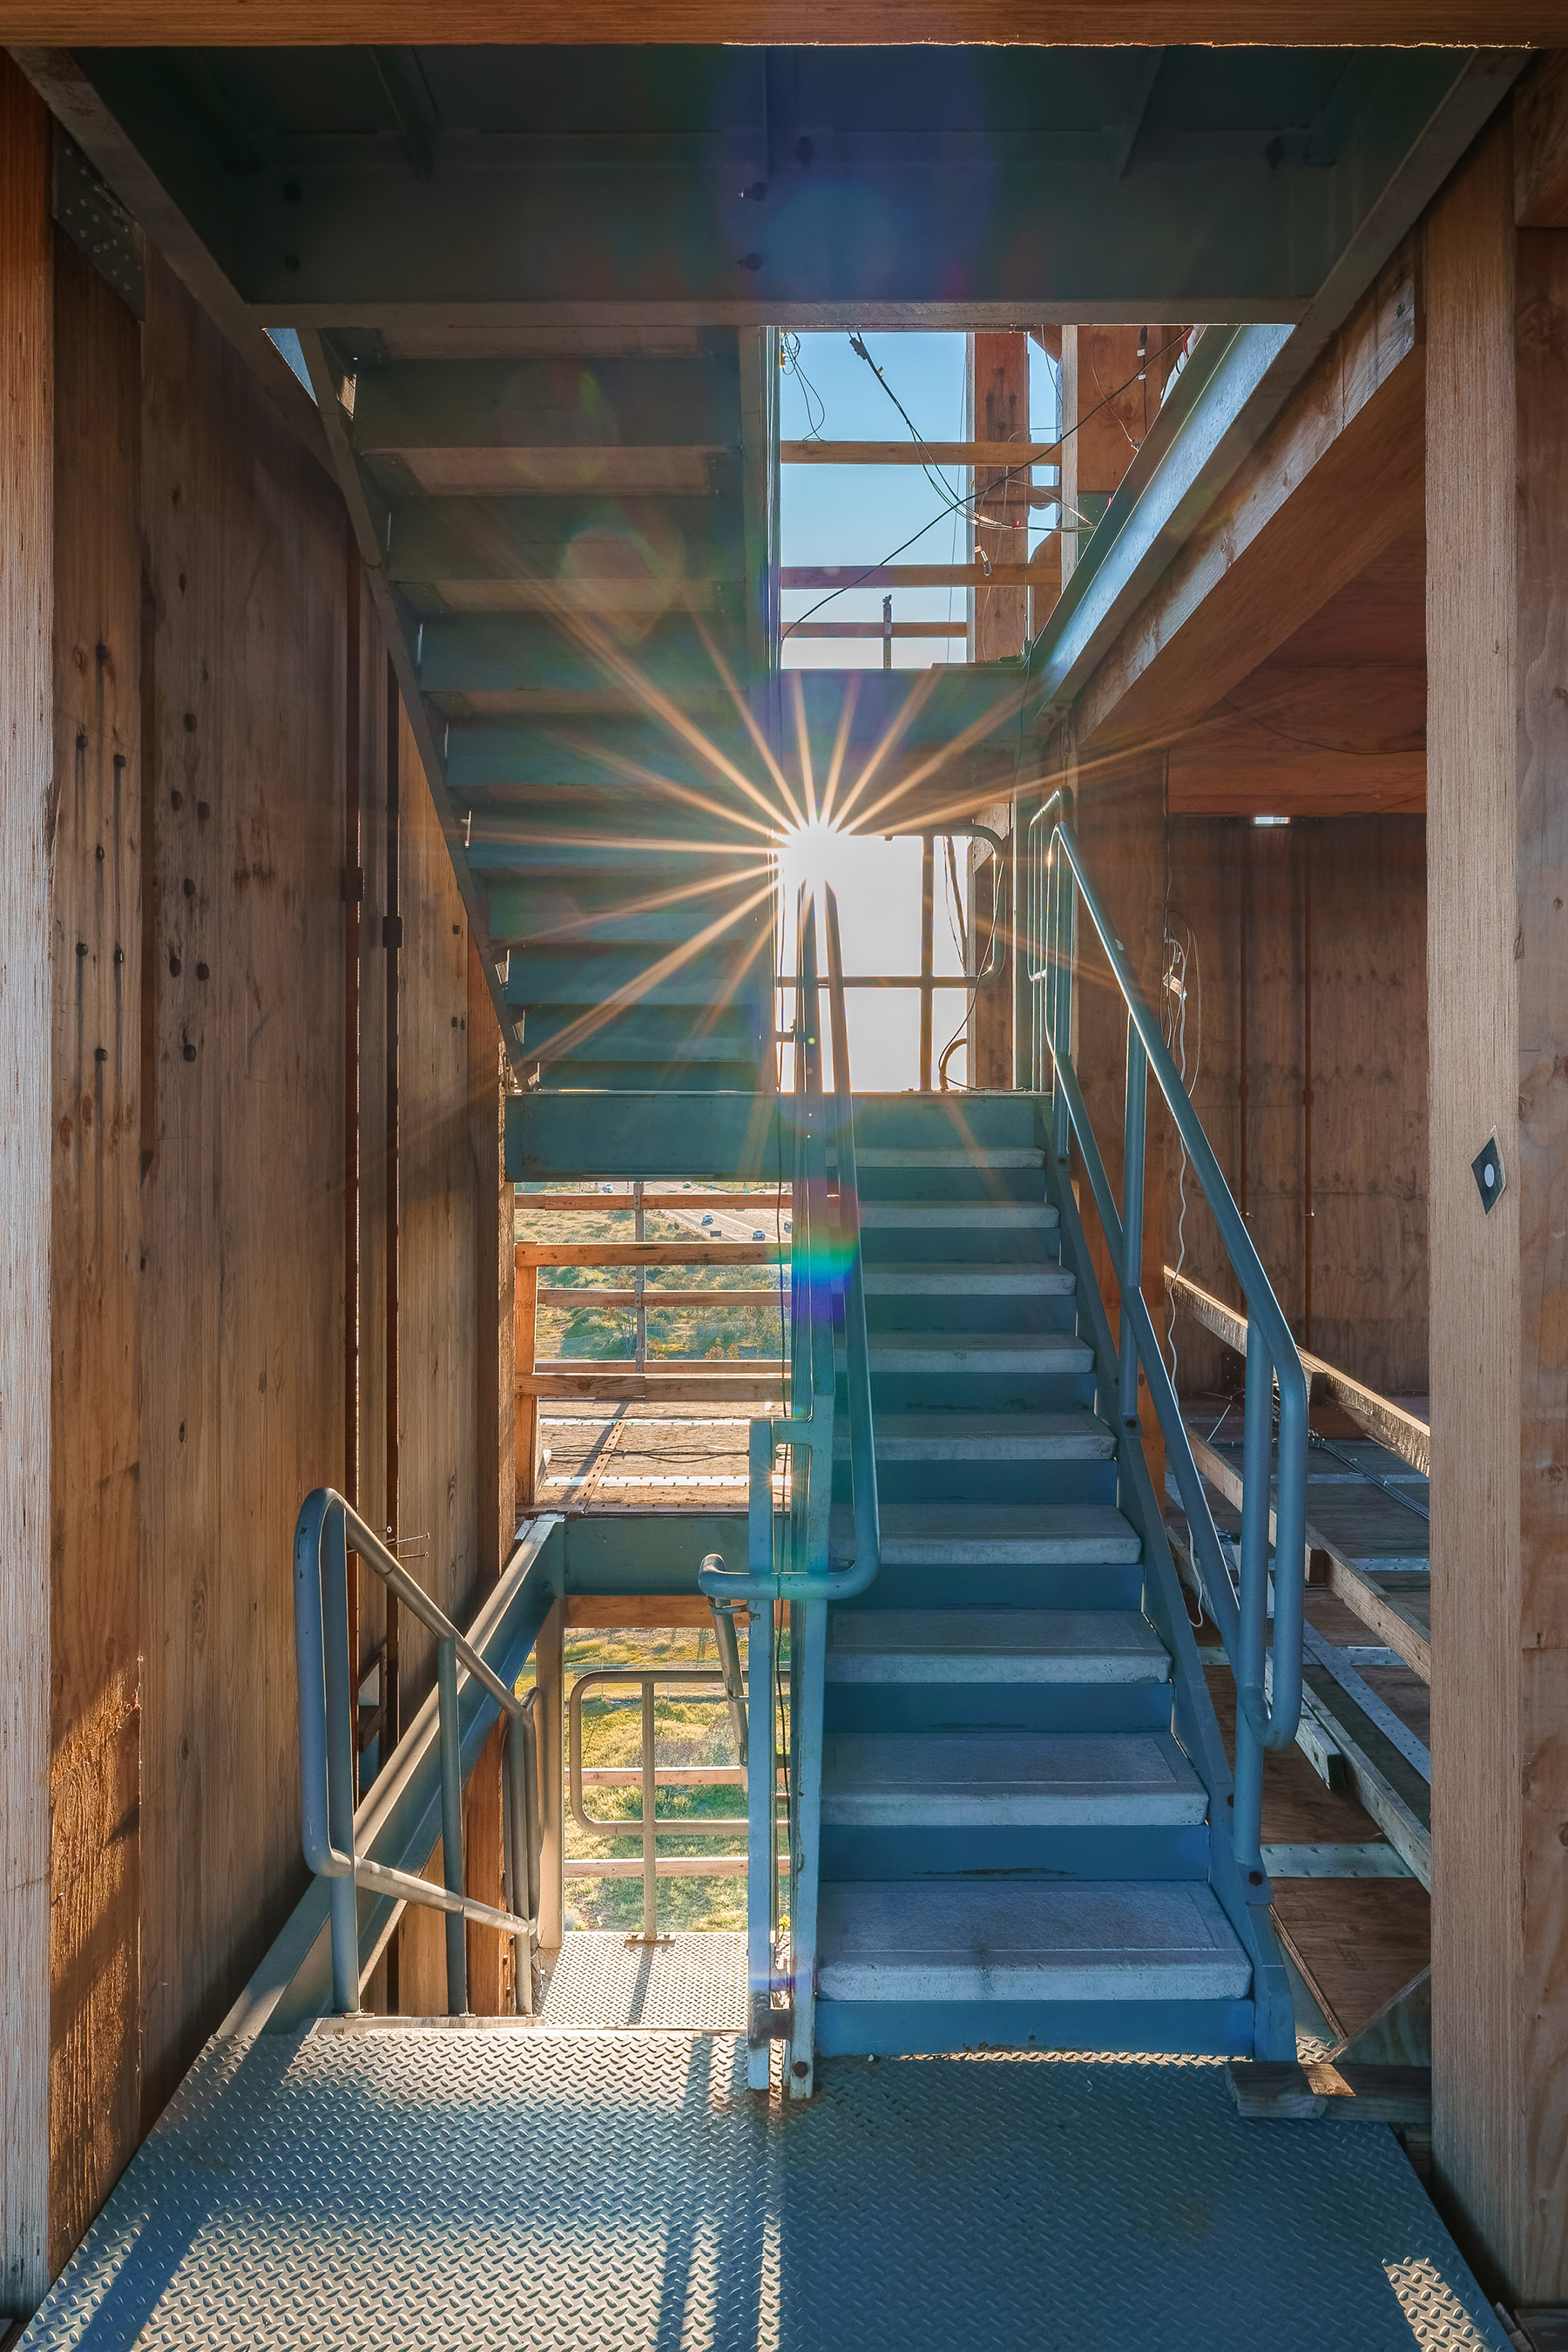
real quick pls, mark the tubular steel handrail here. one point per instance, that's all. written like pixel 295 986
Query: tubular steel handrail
pixel 1266 1712
pixel 327 1530
pixel 789 1550
pixel 648 1822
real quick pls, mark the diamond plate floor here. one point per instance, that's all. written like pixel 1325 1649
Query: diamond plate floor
pixel 696 1982
pixel 622 2193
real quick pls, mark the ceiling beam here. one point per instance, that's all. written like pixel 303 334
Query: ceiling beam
pixel 1334 480
pixel 810 23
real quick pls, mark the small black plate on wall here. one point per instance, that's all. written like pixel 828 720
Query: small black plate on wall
pixel 1488 1171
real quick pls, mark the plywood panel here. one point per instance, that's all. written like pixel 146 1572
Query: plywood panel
pixel 243 1345
pixel 1121 827
pixel 27 536
pixel 438 1531
pixel 1243 894
pixel 1498 639
pixel 95 1516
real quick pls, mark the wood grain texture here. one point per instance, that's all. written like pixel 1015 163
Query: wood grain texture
pixel 95 1390
pixel 1335 480
pixel 1369 1081
pixel 27 596
pixel 494 1373
pixel 1120 825
pixel 1540 144
pixel 1105 415
pixel 1497 645
pixel 1070 23
pixel 242 1337
pixel 438 1304
pixel 998 400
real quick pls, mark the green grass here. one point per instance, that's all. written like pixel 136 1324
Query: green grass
pixel 687 1731
pixel 724 1332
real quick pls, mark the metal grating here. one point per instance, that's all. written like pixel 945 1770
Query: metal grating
pixel 580 2191
pixel 695 1982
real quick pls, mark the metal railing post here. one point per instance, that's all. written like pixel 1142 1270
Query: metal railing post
pixel 452 1825
pixel 339 1758
pixel 639 1276
pixel 928 952
pixel 650 1832
pixel 1135 1126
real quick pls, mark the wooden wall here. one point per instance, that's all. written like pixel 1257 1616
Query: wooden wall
pixel 1497 512
pixel 237 1182
pixel 1250 896
pixel 26 557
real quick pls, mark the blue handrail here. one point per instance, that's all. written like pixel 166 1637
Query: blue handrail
pixel 327 1530
pixel 789 1550
pixel 1267 1708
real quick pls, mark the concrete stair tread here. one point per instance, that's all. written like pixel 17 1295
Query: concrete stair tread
pixel 1012 1350
pixel 948 1940
pixel 995 1645
pixel 980 1778
pixel 988 1437
pixel 1092 1535
pixel 979 1280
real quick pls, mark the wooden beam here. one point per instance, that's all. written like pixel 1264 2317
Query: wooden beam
pixel 649 1253
pixel 874 629
pixel 557 1203
pixel 1148 23
pixel 26 618
pixel 614 1383
pixel 1106 413
pixel 998 392
pixel 1334 480
pixel 1013 454
pixel 1540 144
pixel 654 1610
pixel 662 1297
pixel 1388 1423
pixel 906 575
pixel 1346 1580
pixel 1497 517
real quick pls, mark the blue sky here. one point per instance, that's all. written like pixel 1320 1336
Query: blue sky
pixel 859 514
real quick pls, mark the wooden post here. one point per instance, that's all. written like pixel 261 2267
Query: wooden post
pixel 525 1347
pixel 999 402
pixel 1106 411
pixel 549 1668
pixel 26 600
pixel 1496 524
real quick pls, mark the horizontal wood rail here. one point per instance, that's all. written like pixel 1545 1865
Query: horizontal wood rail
pixel 919 453
pixel 873 629
pixel 651 1298
pixel 676 1380
pixel 1380 1610
pixel 692 1253
pixel 613 1380
pixel 908 576
pixel 1388 1423
pixel 553 1203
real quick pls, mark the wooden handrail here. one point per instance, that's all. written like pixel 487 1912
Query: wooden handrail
pixel 553 1203
pixel 1382 1419
pixel 537 1253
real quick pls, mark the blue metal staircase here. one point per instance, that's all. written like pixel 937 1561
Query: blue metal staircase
pixel 1015 1846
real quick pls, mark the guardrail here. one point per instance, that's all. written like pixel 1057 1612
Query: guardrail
pixel 788 1550
pixel 1268 1689
pixel 327 1530
pixel 648 1680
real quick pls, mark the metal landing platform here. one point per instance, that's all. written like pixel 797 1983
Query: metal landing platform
pixel 611 2191
pixel 695 1982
